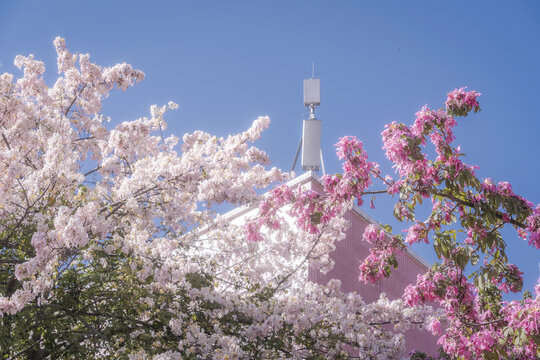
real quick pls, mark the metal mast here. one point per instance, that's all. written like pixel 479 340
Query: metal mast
pixel 310 143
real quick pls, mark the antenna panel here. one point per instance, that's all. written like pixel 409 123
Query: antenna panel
pixel 311 144
pixel 312 92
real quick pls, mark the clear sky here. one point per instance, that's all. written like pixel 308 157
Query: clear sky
pixel 226 62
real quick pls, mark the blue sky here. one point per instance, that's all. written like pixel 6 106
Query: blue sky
pixel 226 62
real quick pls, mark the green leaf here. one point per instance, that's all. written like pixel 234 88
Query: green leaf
pixel 316 218
pixel 479 280
pixel 462 260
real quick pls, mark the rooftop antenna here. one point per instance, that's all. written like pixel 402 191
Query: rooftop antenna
pixel 310 143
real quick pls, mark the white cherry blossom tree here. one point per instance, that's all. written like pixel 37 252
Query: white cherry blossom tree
pixel 111 247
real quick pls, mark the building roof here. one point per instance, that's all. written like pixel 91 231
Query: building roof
pixel 307 177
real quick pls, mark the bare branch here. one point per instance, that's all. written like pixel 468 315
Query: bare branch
pixel 84 138
pixel 6 141
pixel 91 171
pixel 11 261
pixel 74 99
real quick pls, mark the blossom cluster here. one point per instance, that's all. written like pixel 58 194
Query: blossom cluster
pixel 472 325
pixel 461 102
pixel 382 254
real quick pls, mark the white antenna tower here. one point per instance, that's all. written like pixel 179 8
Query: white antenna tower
pixel 310 143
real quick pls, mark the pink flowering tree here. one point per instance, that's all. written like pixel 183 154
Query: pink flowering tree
pixel 111 245
pixel 473 273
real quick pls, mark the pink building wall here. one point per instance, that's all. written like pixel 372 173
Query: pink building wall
pixel 349 254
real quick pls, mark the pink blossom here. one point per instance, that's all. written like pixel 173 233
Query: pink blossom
pixel 416 233
pixel 511 280
pixel 533 227
pixel 424 121
pixel 371 233
pixel 460 102
pixel 434 326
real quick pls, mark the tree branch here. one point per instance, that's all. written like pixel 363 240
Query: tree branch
pixel 497 213
pixel 6 141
